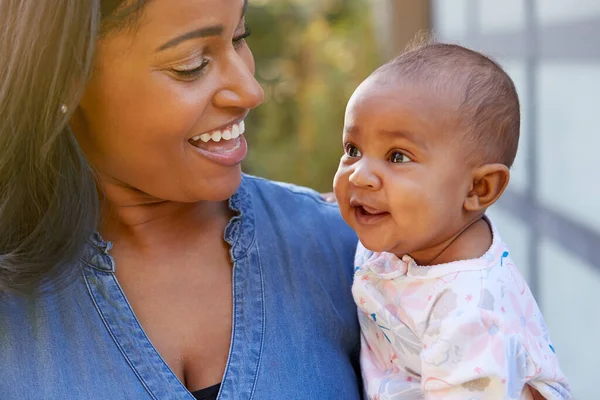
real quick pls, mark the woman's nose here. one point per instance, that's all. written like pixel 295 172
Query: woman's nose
pixel 364 176
pixel 240 88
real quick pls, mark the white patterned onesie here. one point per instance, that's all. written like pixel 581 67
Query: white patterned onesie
pixel 463 330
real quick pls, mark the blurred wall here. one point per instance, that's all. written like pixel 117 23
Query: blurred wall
pixel 397 21
pixel 550 215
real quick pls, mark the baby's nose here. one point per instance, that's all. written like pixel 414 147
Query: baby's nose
pixel 365 177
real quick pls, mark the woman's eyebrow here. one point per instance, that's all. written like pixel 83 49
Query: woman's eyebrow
pixel 215 30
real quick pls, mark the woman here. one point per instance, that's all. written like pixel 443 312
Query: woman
pixel 126 118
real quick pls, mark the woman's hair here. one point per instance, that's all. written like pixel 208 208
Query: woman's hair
pixel 48 196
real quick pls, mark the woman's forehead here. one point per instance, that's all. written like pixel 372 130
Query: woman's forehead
pixel 164 24
pixel 179 15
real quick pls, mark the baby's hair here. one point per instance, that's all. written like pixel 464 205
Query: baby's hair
pixel 489 111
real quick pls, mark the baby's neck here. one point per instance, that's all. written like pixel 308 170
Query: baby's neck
pixel 472 242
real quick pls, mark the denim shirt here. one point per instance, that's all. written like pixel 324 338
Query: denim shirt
pixel 294 335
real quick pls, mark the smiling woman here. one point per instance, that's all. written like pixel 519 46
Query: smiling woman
pixel 133 250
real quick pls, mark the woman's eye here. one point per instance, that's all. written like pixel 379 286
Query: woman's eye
pixel 190 73
pixel 352 151
pixel 239 41
pixel 399 157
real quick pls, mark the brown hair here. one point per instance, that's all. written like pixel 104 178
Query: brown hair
pixel 489 113
pixel 48 198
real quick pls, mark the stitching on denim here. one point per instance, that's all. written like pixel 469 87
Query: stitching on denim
pixel 112 335
pixel 233 331
pixel 90 265
pixel 144 334
pixel 164 363
pixel 264 325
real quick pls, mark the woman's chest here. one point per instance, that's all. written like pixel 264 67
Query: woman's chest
pixel 185 308
pixel 283 329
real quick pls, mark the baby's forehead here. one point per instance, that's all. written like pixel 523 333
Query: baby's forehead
pixel 429 117
pixel 413 109
pixel 381 94
pixel 448 82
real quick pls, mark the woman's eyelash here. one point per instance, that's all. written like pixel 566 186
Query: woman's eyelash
pixel 187 73
pixel 244 35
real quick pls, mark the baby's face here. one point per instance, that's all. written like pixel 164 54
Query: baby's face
pixel 403 178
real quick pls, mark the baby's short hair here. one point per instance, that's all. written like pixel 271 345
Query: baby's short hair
pixel 489 112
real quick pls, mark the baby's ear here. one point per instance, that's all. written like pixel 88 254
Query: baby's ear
pixel 489 182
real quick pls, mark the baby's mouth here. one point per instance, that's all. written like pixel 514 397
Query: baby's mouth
pixel 369 210
pixel 367 215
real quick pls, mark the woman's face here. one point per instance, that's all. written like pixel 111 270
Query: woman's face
pixel 167 98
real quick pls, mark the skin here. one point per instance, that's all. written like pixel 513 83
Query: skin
pixel 164 204
pixel 406 165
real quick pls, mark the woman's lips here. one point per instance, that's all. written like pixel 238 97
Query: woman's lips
pixel 228 153
pixel 226 146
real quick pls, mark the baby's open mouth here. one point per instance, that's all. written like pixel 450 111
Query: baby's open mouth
pixel 369 211
pixel 368 215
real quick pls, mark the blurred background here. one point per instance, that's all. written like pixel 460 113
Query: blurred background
pixel 311 54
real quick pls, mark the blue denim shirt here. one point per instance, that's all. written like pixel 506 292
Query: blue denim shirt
pixel 295 333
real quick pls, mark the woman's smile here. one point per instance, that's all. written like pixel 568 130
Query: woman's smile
pixel 225 146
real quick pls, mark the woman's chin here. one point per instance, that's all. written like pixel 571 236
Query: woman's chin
pixel 216 188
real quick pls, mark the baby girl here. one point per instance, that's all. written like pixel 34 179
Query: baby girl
pixel 428 142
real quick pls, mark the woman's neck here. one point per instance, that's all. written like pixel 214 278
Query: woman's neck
pixel 128 215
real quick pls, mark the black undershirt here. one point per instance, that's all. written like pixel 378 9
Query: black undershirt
pixel 210 393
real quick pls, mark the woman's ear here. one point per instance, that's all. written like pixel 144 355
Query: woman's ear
pixel 489 182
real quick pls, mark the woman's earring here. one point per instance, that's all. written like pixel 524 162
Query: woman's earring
pixel 63 108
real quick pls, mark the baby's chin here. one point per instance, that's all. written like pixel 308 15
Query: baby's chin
pixel 375 244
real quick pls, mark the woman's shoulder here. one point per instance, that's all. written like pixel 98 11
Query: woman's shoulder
pixel 287 190
pixel 296 204
pixel 281 194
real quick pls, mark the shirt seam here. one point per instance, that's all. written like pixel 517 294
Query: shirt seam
pixel 315 197
pixel 98 309
pixel 90 265
pixel 263 330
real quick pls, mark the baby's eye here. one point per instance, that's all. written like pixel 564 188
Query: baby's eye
pixel 352 150
pixel 399 157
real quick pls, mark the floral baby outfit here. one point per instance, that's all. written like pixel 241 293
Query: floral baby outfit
pixel 463 330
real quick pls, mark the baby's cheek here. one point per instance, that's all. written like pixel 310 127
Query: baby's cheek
pixel 340 182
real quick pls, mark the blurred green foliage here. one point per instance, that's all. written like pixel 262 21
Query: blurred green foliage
pixel 310 56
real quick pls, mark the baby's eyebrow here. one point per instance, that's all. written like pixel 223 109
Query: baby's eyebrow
pixel 351 130
pixel 410 136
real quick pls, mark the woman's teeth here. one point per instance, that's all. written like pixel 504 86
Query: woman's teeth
pixel 232 132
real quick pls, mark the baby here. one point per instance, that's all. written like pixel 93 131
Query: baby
pixel 429 139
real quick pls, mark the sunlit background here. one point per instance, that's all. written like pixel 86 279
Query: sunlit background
pixel 311 54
